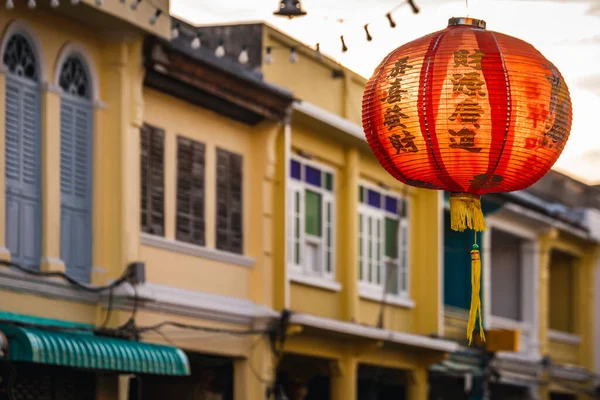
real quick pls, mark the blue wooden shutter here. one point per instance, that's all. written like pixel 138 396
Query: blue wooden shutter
pixel 23 181
pixel 75 184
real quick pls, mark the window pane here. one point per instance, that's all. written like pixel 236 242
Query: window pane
pixel 313 176
pixel 328 181
pixel 297 213
pixel 378 252
pixel 361 196
pixel 391 204
pixel 391 238
pixel 295 170
pixel 313 209
pixel 391 278
pixel 404 205
pixel 328 265
pixel 374 198
pixel 369 249
pixel 313 256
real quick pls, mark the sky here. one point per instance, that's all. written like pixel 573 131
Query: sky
pixel 567 32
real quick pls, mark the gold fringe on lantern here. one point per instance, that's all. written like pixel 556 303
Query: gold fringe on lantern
pixel 475 296
pixel 465 212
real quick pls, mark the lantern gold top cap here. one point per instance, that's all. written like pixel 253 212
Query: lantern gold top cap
pixel 479 23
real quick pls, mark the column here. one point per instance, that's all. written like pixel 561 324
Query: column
pixel 130 184
pixel 344 383
pixel 543 392
pixel 585 307
pixel 107 387
pixel 596 308
pixel 4 253
pixel 246 384
pixel 545 247
pixel 251 375
pixel 418 386
pixel 347 228
pixel 426 243
pixel 51 178
pixel 116 209
pixel 264 226
pixel 281 285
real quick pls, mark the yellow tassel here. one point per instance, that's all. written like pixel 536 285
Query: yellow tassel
pixel 475 296
pixel 465 212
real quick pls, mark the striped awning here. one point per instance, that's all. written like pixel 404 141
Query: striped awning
pixel 86 350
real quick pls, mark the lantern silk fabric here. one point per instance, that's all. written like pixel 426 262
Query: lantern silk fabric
pixel 467 110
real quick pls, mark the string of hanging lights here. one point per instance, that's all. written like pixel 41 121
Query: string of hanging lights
pixel 287 8
pixel 290 9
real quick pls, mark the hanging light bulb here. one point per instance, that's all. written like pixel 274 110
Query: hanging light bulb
pixel 414 7
pixel 318 50
pixel 10 4
pixel 220 50
pixel 31 3
pixel 54 3
pixel 293 55
pixel 74 2
pixel 391 20
pixel 98 2
pixel 344 47
pixel 268 56
pixel 175 31
pixel 243 58
pixel 135 4
pixel 369 37
pixel 155 16
pixel 290 9
pixel 196 43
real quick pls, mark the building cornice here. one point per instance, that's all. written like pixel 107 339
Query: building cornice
pixel 190 303
pixel 16 281
pixel 323 116
pixel 349 328
pixel 210 82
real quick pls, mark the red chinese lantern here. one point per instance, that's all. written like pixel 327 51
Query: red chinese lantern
pixel 469 111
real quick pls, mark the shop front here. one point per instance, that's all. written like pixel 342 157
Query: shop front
pixel 44 359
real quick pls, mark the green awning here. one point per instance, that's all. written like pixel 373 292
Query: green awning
pixel 86 350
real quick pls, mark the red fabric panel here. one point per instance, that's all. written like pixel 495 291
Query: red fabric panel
pixel 467 110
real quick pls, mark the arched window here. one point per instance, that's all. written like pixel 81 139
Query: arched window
pixel 23 152
pixel 76 136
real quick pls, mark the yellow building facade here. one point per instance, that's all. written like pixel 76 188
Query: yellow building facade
pixel 275 247
pixel 541 303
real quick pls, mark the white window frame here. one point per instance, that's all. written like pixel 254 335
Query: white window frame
pixel 529 343
pixel 368 286
pixel 302 272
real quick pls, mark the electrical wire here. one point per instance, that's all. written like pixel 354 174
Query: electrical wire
pixel 109 310
pixel 180 325
pixel 57 274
